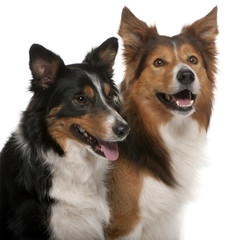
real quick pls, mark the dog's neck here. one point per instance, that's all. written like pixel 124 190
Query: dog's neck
pixel 80 164
pixel 150 140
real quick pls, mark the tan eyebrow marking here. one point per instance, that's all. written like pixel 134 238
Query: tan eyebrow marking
pixel 89 91
pixel 107 89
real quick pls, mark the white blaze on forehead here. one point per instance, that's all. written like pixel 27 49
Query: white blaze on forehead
pixel 181 66
pixel 113 117
pixel 97 84
pixel 175 51
pixel 99 87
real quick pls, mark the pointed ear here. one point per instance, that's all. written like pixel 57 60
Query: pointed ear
pixel 44 66
pixel 134 32
pixel 205 29
pixel 104 55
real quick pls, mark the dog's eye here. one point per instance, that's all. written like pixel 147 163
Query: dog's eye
pixel 193 60
pixel 80 100
pixel 159 62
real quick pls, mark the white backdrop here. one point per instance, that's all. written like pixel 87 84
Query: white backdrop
pixel 71 28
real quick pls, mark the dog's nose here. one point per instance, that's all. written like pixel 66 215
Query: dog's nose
pixel 121 130
pixel 185 76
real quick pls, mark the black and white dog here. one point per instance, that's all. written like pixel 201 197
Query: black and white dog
pixel 54 165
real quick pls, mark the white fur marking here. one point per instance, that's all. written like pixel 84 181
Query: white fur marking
pixel 175 51
pixel 113 116
pixel 161 205
pixel 177 86
pixel 81 209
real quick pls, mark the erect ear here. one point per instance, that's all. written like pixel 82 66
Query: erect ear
pixel 204 29
pixel 104 55
pixel 134 32
pixel 44 66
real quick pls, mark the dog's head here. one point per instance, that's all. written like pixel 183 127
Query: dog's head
pixel 173 75
pixel 79 101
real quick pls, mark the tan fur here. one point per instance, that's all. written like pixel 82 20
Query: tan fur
pixel 88 91
pixel 60 129
pixel 107 89
pixel 125 197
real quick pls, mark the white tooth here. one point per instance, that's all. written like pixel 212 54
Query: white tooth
pixel 85 134
pixel 81 129
pixel 168 97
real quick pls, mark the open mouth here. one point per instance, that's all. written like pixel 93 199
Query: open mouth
pixel 102 148
pixel 182 101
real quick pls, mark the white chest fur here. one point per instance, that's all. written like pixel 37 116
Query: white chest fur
pixel 161 205
pixel 81 209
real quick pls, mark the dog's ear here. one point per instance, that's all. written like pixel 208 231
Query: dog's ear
pixel 104 55
pixel 205 31
pixel 134 32
pixel 44 66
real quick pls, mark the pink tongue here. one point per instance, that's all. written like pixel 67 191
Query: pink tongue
pixel 110 150
pixel 183 98
pixel 184 102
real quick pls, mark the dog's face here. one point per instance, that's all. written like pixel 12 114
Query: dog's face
pixel 81 98
pixel 170 72
pixel 171 75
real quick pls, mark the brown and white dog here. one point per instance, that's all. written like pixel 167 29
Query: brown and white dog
pixel 167 101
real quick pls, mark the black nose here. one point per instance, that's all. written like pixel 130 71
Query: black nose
pixel 185 76
pixel 121 130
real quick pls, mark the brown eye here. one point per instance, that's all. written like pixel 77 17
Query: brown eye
pixel 80 100
pixel 159 62
pixel 193 60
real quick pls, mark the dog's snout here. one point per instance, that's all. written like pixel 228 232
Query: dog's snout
pixel 185 76
pixel 121 129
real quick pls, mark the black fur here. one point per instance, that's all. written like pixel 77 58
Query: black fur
pixel 25 177
pixel 146 151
